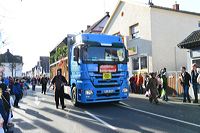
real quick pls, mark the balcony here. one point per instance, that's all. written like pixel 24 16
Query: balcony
pixel 141 46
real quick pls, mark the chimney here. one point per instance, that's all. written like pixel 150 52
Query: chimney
pixel 8 50
pixel 150 3
pixel 107 13
pixel 88 26
pixel 176 6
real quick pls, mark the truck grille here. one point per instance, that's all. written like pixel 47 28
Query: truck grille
pixel 97 80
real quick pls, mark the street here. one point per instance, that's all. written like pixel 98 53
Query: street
pixel 38 114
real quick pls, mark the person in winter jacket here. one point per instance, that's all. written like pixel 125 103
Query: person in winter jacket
pixel 132 81
pixel 139 83
pixel 5 98
pixel 44 82
pixel 2 113
pixel 33 82
pixel 17 90
pixel 165 83
pixel 152 86
pixel 195 86
pixel 185 82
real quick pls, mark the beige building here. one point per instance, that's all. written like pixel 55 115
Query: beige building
pixel 152 33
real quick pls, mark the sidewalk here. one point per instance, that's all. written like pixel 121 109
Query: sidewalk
pixel 172 99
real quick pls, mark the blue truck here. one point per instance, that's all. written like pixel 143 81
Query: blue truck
pixel 97 68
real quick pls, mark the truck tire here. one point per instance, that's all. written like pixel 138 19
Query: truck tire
pixel 74 97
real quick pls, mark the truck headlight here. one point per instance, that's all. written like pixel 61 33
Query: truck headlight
pixel 125 90
pixel 88 92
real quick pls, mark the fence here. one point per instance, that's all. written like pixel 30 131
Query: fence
pixel 175 88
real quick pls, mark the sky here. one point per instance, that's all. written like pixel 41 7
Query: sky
pixel 32 28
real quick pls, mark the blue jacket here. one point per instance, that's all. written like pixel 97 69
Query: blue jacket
pixel 6 81
pixel 17 90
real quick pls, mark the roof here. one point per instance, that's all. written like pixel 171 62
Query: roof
pixel 63 42
pixel 192 41
pixel 7 57
pixel 91 28
pixel 171 9
pixel 144 5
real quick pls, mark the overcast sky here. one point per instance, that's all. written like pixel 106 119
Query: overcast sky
pixel 34 27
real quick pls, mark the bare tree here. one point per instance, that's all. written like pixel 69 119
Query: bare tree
pixel 12 66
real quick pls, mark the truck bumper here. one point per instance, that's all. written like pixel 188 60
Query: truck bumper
pixel 92 99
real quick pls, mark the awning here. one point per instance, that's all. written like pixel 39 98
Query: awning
pixel 192 41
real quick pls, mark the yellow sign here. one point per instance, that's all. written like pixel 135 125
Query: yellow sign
pixel 132 51
pixel 107 76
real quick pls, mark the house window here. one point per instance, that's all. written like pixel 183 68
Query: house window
pixel 134 31
pixel 139 63
pixel 143 61
pixel 195 53
pixel 135 63
pixel 199 24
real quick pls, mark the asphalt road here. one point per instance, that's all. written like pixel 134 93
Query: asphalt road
pixel 38 114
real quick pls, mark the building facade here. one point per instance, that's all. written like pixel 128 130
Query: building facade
pixel 151 34
pixel 42 67
pixel 11 65
pixel 44 62
pixel 192 43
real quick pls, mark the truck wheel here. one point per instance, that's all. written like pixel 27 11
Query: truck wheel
pixel 74 97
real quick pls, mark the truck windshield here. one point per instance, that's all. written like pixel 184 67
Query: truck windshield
pixel 103 54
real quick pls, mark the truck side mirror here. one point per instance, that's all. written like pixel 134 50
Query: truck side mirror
pixel 76 54
pixel 127 59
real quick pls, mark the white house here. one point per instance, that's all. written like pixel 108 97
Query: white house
pixel 11 65
pixel 192 43
pixel 152 33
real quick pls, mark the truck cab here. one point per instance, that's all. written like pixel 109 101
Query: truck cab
pixel 98 69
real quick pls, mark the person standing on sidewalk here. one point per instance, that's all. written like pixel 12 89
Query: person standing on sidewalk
pixel 185 82
pixel 139 83
pixel 44 81
pixel 160 84
pixel 194 75
pixel 11 83
pixel 18 93
pixel 6 100
pixel 2 112
pixel 132 81
pixel 152 86
pixel 33 82
pixel 165 83
pixel 59 81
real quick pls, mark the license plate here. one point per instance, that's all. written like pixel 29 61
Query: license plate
pixel 108 91
pixel 107 76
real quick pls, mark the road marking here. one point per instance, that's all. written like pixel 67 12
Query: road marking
pixel 37 102
pixel 157 115
pixel 100 120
